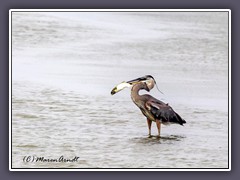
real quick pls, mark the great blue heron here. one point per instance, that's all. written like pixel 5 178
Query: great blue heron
pixel 154 109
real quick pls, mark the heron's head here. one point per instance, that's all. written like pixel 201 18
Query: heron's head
pixel 148 80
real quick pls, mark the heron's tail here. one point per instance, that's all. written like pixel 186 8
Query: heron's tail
pixel 180 120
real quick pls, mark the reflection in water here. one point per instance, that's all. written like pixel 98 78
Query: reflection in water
pixel 158 140
pixel 65 65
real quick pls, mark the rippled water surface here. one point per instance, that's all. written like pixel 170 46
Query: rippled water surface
pixel 64 66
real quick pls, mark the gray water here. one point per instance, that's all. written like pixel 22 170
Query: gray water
pixel 64 66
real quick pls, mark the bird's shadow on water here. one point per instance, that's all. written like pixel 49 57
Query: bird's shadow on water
pixel 169 139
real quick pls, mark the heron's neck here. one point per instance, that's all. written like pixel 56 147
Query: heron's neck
pixel 135 92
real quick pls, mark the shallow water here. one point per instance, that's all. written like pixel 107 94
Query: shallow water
pixel 64 66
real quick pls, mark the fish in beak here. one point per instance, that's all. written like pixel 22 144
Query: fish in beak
pixel 128 84
pixel 120 87
pixel 148 79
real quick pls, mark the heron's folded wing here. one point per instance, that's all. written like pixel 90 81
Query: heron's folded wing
pixel 164 112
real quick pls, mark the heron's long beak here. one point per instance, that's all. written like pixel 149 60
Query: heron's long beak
pixel 120 87
pixel 137 80
pixel 143 79
pixel 124 84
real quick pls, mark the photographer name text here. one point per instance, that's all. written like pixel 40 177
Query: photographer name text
pixel 42 159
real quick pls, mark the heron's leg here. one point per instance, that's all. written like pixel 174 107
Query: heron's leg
pixel 149 127
pixel 159 127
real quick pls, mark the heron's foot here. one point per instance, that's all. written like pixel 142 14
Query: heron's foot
pixel 158 136
pixel 149 135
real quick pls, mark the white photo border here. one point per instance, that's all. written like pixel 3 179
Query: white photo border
pixel 119 169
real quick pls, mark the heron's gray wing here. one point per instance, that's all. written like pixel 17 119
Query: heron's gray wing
pixel 164 112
